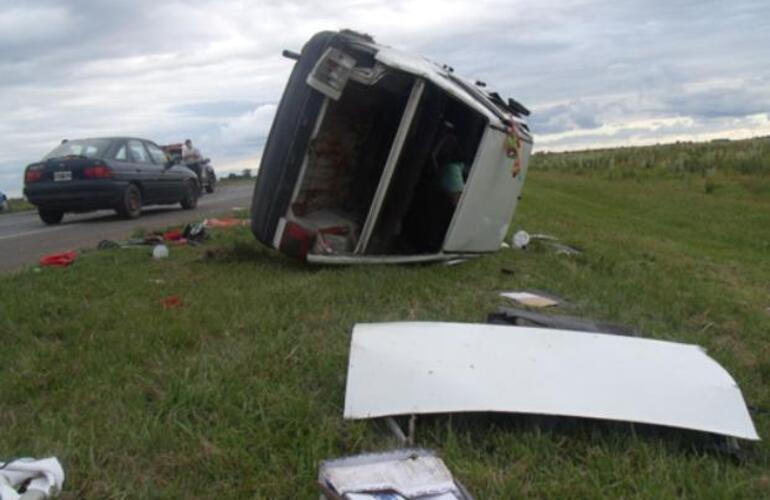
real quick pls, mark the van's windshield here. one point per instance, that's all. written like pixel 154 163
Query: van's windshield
pixel 497 110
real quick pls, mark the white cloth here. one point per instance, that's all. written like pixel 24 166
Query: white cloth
pixel 46 475
pixel 190 153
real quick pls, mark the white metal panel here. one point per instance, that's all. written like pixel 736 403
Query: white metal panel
pixel 407 368
pixel 489 199
pixel 390 164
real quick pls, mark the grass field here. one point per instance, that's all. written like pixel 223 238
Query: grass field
pixel 239 393
pixel 17 205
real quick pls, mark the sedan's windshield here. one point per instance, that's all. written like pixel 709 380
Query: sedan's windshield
pixel 89 148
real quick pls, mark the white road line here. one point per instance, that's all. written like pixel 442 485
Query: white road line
pixel 28 233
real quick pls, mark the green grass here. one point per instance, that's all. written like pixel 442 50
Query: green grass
pixel 239 393
pixel 17 205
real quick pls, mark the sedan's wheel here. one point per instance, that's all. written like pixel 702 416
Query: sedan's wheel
pixel 190 199
pixel 210 184
pixel 50 216
pixel 130 205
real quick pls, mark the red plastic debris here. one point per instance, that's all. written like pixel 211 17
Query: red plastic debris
pixel 226 222
pixel 173 235
pixel 171 302
pixel 296 240
pixel 62 259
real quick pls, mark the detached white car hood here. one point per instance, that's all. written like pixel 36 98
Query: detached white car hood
pixel 410 368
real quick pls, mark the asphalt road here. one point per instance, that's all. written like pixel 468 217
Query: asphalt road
pixel 24 238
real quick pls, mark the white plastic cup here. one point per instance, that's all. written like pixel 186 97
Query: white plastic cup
pixel 521 239
pixel 160 252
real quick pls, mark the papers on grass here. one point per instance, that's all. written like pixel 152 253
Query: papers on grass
pixel 396 475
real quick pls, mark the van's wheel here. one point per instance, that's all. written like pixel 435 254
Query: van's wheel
pixel 50 217
pixel 190 199
pixel 210 184
pixel 130 205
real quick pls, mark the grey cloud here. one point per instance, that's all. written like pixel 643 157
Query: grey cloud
pixel 171 69
pixel 748 99
pixel 216 108
pixel 565 117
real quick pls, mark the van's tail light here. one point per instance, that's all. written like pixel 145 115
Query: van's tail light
pixel 33 174
pixel 331 73
pixel 98 172
pixel 296 241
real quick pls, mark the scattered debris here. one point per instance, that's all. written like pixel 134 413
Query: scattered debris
pixel 398 432
pixel 107 245
pixel 150 239
pixel 507 270
pixel 173 235
pixel 397 369
pixel 520 239
pixel 191 234
pixel 522 317
pixel 531 299
pixel 454 262
pixel 395 475
pixel 225 222
pixel 42 478
pixel 171 302
pixel 160 252
pixel 62 259
pixel 158 281
pixel 195 233
pixel 562 249
pixel 543 237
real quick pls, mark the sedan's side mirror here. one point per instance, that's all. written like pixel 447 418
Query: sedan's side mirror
pixel 169 163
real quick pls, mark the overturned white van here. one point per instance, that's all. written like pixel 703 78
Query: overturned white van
pixel 379 156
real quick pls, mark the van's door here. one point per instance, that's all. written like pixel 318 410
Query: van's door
pixel 490 196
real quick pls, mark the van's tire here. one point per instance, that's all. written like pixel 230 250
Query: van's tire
pixel 289 134
pixel 190 199
pixel 50 217
pixel 210 184
pixel 130 205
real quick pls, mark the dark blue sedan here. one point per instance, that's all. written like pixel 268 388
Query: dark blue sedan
pixel 120 173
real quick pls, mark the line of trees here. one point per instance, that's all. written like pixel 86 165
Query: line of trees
pixel 245 174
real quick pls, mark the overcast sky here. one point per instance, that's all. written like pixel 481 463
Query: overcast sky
pixel 594 73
